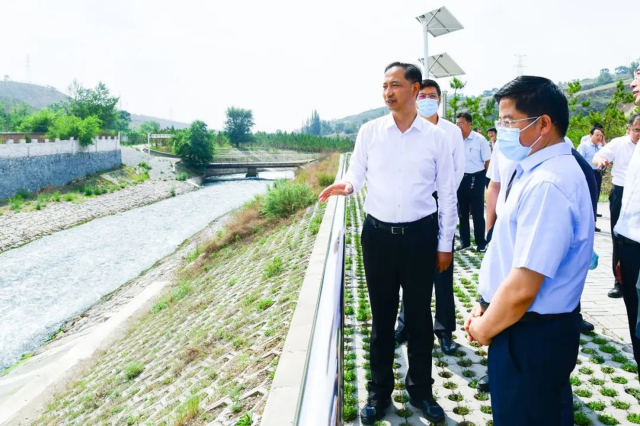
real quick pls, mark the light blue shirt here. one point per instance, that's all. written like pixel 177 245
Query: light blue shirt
pixel 476 151
pixel 588 150
pixel 546 225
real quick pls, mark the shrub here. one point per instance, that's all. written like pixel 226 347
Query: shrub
pixel 273 268
pixel 264 304
pixel 16 202
pixel 133 370
pixel 581 419
pixel 182 176
pixel 245 420
pixel 325 179
pixel 144 165
pixel 67 126
pixel 285 198
pixel 607 419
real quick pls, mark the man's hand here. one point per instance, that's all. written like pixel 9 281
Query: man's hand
pixel 443 260
pixel 600 162
pixel 477 311
pixel 338 188
pixel 477 331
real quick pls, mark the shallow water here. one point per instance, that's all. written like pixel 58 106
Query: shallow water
pixel 47 282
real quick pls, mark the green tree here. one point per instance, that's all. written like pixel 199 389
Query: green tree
pixel 123 120
pixel 195 144
pixel 97 102
pixel 67 126
pixel 238 125
pixel 315 126
pixel 605 77
pixel 454 103
pixel 613 117
pixel 149 127
pixel 579 124
pixel 39 122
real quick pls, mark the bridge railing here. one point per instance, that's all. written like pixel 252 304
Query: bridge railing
pixel 263 158
pixel 307 387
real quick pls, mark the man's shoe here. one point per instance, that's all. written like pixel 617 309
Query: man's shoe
pixel 447 345
pixel 586 327
pixel 401 337
pixel 615 292
pixel 373 411
pixel 483 384
pixel 482 249
pixel 461 247
pixel 598 215
pixel 597 229
pixel 430 408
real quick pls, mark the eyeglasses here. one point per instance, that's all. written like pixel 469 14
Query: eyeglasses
pixel 508 123
pixel 422 96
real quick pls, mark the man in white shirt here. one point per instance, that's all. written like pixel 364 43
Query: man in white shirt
pixel 404 159
pixel 533 274
pixel 587 138
pixel 618 151
pixel 628 231
pixel 588 150
pixel 429 100
pixel 471 191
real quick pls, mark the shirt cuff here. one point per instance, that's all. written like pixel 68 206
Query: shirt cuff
pixel 444 246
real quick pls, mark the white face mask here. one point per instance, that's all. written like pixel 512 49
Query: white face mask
pixel 509 142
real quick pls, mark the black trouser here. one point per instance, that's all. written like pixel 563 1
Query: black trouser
pixel 615 204
pixel 471 199
pixel 598 176
pixel 530 364
pixel 391 261
pixel 445 323
pixel 630 265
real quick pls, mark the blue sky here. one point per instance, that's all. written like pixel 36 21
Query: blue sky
pixel 192 59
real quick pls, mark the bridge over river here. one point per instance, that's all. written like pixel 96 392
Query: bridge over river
pixel 251 167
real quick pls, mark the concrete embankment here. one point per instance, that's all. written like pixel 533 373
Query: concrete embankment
pixel 202 350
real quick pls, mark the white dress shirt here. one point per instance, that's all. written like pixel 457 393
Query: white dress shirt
pixel 588 150
pixel 546 226
pixel 402 171
pixel 569 141
pixel 456 143
pixel 476 151
pixel 500 170
pixel 628 223
pixel 619 152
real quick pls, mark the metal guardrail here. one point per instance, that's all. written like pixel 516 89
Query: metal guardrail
pixel 320 400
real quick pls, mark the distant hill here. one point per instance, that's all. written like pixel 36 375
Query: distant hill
pixel 39 97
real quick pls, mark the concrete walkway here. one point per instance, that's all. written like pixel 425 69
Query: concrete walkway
pixel 608 315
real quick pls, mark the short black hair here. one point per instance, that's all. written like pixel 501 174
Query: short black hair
pixel 492 129
pixel 431 83
pixel 594 128
pixel 411 72
pixel 633 119
pixel 536 96
pixel 598 126
pixel 466 116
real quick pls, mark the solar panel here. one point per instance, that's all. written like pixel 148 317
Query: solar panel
pixel 442 65
pixel 440 21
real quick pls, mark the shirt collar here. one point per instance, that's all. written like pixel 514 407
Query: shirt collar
pixel 419 123
pixel 543 155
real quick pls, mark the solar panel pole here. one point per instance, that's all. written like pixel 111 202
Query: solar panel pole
pixel 425 36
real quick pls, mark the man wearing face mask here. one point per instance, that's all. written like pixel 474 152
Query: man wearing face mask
pixel 533 274
pixel 445 323
pixel 471 191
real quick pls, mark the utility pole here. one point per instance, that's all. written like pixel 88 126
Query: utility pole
pixel 520 66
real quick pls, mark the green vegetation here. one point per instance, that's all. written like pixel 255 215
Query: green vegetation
pixel 302 142
pixel 238 125
pixel 285 197
pixel 195 144
pixel 133 370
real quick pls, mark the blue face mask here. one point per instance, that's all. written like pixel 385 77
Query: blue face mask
pixel 508 140
pixel 427 107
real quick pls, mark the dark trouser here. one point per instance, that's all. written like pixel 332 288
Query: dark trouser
pixel 630 265
pixel 445 323
pixel 471 199
pixel 391 261
pixel 598 176
pixel 530 364
pixel 615 204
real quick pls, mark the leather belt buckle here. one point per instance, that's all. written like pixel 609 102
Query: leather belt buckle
pixel 397 230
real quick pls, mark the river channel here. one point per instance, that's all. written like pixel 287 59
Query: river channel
pixel 49 281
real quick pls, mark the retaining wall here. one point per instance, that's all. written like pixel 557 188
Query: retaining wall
pixel 36 165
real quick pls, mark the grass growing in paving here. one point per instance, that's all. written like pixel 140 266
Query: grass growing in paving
pixel 605 382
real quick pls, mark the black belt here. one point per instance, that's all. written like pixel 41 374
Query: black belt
pixel 627 241
pixel 399 228
pixel 475 174
pixel 531 316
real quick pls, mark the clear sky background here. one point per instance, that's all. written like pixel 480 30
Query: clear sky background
pixel 191 59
